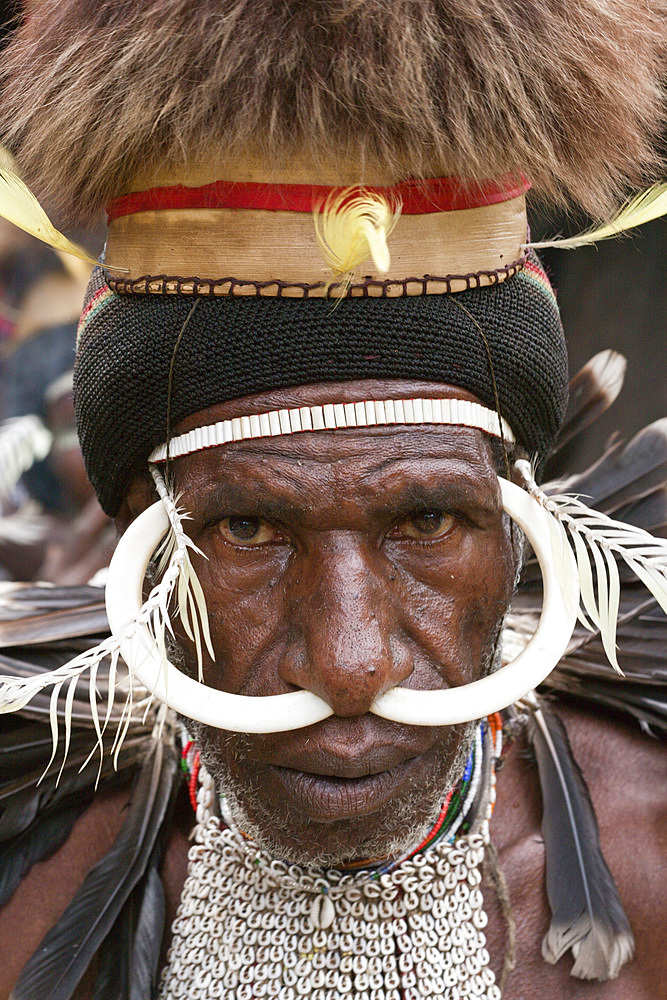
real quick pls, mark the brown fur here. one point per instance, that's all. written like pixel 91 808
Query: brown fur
pixel 565 90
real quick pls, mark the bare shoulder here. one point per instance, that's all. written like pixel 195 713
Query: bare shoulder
pixel 625 772
pixel 49 886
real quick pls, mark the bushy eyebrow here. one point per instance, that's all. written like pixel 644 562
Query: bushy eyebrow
pixel 452 496
pixel 229 498
pixel 458 491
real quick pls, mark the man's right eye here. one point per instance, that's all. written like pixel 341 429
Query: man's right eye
pixel 425 525
pixel 247 531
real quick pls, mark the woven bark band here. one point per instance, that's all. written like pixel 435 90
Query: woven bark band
pixel 446 240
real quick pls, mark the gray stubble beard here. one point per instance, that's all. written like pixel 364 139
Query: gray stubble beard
pixel 391 836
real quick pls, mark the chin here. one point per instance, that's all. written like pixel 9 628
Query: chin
pixel 307 833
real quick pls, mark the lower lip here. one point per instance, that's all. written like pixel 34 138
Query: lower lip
pixel 326 799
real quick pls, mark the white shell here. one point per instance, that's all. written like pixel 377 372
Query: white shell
pixel 322 913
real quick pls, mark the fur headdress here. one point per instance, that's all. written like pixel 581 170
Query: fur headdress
pixel 95 94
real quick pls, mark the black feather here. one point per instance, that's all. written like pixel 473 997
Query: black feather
pixel 585 672
pixel 641 692
pixel 114 958
pixel 66 951
pixel 593 390
pixel 37 843
pixel 39 613
pixel 129 956
pixel 148 935
pixel 22 748
pixel 30 661
pixel 32 598
pixel 22 799
pixel 626 483
pixel 587 913
pixel 625 472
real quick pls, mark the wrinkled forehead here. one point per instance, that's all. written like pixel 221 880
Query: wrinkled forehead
pixel 343 465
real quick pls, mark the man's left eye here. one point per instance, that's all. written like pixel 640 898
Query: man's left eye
pixel 247 531
pixel 426 525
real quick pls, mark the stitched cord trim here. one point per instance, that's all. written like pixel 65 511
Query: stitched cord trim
pixel 162 284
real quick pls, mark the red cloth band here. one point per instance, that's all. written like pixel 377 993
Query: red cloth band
pixel 418 197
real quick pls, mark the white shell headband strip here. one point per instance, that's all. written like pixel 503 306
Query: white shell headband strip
pixel 334 416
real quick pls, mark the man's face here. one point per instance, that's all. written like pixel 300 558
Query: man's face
pixel 346 563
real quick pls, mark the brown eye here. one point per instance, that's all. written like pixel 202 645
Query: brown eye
pixel 425 525
pixel 248 531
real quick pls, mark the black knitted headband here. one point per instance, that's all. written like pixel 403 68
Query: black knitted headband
pixel 235 347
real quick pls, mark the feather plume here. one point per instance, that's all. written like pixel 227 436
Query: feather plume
pixel 40 613
pixel 180 574
pixel 114 957
pixel 585 673
pixel 128 959
pixel 627 483
pixel 45 787
pixel 65 953
pixel 597 541
pixel 37 843
pixel 568 94
pixel 21 687
pixel 19 206
pixel 625 474
pixel 148 934
pixel 642 650
pixel 593 390
pixel 587 913
pixel 23 441
pixel 644 207
pixel 18 690
pixel 354 225
pixel 36 817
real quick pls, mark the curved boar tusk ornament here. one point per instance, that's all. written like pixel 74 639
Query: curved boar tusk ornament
pixel 286 712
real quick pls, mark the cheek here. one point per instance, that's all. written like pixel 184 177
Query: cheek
pixel 247 619
pixel 453 598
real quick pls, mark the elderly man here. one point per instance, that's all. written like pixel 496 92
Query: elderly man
pixel 348 563
pixel 315 383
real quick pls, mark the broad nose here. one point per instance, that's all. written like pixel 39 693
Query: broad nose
pixel 346 643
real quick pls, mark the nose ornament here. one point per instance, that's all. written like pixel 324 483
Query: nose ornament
pixel 285 712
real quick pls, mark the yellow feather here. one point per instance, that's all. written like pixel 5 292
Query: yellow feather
pixel 19 206
pixel 354 224
pixel 644 207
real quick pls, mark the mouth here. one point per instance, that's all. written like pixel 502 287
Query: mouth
pixel 328 798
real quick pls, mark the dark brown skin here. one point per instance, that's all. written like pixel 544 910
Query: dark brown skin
pixel 341 591
pixel 347 586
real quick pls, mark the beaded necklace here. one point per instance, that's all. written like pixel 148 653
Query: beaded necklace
pixel 456 812
pixel 249 926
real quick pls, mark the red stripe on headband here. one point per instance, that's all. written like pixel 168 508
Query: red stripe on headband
pixel 419 197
